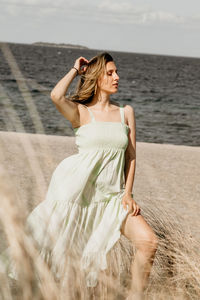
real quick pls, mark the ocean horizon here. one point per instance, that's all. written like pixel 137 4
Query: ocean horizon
pixel 163 90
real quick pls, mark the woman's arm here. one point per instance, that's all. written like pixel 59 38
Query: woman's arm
pixel 130 154
pixel 68 108
pixel 130 164
pixel 62 86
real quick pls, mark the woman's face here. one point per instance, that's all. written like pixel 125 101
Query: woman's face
pixel 108 82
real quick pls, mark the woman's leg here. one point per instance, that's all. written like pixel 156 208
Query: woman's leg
pixel 139 232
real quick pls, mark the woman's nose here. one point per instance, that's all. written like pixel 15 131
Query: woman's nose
pixel 116 76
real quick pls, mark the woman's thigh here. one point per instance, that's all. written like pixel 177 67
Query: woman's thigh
pixel 138 231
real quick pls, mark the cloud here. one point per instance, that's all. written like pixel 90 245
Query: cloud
pixel 160 16
pixel 106 11
pixel 45 8
pixel 132 14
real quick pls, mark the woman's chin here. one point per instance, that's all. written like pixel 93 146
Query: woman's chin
pixel 114 91
pixel 110 92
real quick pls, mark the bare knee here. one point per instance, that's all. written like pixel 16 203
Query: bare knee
pixel 138 231
pixel 148 244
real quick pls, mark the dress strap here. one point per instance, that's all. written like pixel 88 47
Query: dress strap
pixel 91 114
pixel 122 113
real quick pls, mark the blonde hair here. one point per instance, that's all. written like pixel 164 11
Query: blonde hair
pixel 86 85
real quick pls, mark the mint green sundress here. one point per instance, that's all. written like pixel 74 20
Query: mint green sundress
pixel 83 204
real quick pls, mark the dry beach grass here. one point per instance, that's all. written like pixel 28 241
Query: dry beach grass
pixel 166 187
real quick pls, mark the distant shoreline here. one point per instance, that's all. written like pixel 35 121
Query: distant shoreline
pixel 61 45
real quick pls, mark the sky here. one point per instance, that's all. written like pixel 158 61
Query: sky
pixel 168 27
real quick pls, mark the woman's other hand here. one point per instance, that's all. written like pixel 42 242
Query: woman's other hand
pixel 133 207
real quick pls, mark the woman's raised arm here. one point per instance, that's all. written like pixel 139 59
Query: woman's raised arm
pixel 67 108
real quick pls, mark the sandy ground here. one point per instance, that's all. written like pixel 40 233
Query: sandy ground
pixel 166 175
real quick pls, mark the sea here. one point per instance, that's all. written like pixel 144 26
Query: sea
pixel 163 90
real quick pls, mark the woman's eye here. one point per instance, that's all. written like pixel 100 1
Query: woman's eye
pixel 111 73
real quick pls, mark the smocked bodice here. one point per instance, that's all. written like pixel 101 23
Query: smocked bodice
pixel 102 135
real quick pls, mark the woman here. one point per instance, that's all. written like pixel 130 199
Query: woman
pixel 99 133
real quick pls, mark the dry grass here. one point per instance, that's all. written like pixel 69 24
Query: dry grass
pixel 175 273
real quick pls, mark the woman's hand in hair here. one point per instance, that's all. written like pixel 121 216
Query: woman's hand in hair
pixel 79 63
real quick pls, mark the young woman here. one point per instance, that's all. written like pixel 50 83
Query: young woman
pixel 90 193
pixel 107 137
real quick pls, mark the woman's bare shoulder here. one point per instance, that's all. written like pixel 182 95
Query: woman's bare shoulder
pixel 126 106
pixel 129 109
pixel 129 114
